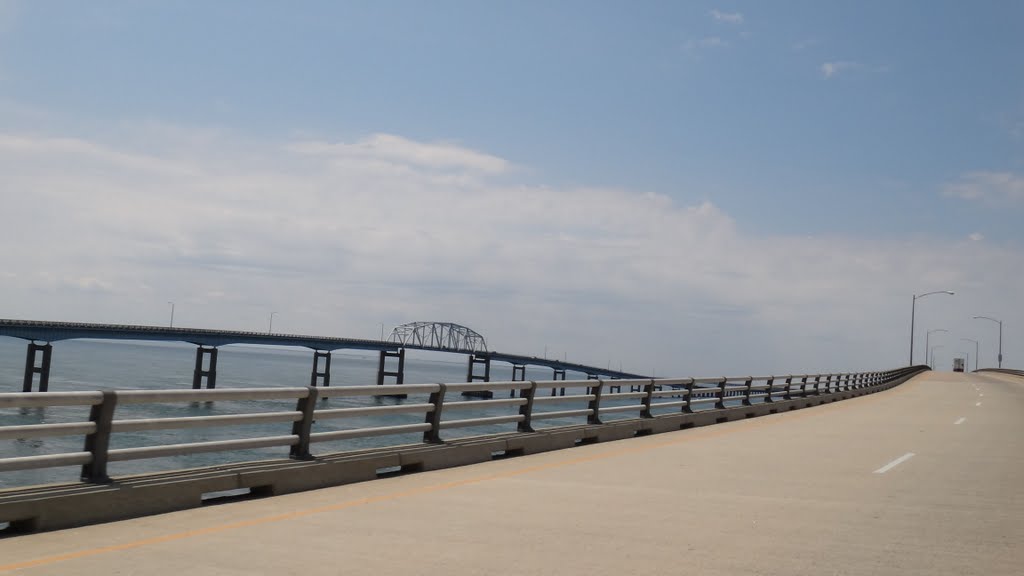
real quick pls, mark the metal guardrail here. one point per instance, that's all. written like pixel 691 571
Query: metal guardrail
pixel 1002 371
pixel 644 397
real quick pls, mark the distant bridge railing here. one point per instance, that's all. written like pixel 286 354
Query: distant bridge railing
pixel 1002 371
pixel 433 411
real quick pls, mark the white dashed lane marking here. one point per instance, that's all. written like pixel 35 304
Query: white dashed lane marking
pixel 895 463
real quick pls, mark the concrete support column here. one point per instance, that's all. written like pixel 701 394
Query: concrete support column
pixel 321 377
pixel 210 372
pixel 472 376
pixel 398 375
pixel 43 369
pixel 518 375
pixel 559 374
pixel 474 360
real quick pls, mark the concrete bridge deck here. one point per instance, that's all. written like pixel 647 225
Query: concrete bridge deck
pixel 827 490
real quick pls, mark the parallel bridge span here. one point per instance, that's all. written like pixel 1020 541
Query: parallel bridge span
pixel 429 336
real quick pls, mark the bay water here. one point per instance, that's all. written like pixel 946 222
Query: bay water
pixel 86 365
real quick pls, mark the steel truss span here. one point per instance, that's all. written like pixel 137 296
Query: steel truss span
pixel 439 336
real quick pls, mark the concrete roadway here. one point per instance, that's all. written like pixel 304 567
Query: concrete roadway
pixel 826 490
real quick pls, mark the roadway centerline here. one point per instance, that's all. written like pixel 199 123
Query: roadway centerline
pixel 895 463
pixel 960 421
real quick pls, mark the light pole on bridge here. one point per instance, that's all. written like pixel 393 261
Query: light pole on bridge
pixel 171 325
pixel 270 325
pixel 912 308
pixel 975 352
pixel 1000 322
pixel 927 337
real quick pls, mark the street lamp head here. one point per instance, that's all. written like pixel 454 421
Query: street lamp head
pixel 950 292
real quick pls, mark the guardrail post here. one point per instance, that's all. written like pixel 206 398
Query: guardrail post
pixel 817 385
pixel 746 396
pixel 789 389
pixel 433 436
pixel 687 408
pixel 98 443
pixel 304 427
pixel 721 393
pixel 649 390
pixel 526 410
pixel 595 404
pixel 803 387
pixel 768 391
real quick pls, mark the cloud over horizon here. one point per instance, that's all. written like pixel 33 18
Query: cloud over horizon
pixel 987 186
pixel 339 236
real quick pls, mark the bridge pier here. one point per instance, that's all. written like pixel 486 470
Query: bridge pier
pixel 43 369
pixel 210 372
pixel 559 374
pixel 398 375
pixel 322 377
pixel 472 376
pixel 518 375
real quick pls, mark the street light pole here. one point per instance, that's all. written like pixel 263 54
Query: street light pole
pixel 171 325
pixel 975 352
pixel 931 353
pixel 927 337
pixel 270 325
pixel 912 307
pixel 1000 322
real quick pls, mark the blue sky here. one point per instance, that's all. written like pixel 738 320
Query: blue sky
pixel 885 127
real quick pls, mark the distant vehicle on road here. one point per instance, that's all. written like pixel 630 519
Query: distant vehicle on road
pixel 958 364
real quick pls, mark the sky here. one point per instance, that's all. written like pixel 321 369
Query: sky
pixel 676 188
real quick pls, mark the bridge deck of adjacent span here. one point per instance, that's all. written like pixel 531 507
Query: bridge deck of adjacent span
pixel 796 493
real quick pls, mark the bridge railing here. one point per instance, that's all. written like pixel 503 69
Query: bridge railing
pixel 1002 371
pixel 436 408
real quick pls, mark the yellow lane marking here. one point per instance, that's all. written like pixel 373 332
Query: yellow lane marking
pixel 703 433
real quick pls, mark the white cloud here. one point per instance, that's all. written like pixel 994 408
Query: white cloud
pixel 730 17
pixel 804 44
pixel 404 151
pixel 339 236
pixel 830 69
pixel 696 45
pixel 987 186
pixel 976 237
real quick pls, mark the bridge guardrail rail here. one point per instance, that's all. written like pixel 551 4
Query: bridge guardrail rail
pixel 650 405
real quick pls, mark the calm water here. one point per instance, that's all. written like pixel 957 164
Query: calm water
pixel 82 365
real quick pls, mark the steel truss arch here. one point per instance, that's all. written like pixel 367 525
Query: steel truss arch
pixel 438 336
